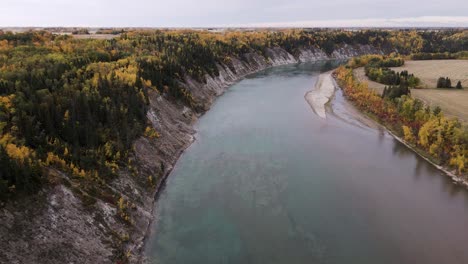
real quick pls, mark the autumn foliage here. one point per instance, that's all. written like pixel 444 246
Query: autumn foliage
pixel 443 139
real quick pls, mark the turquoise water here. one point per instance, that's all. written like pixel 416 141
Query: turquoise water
pixel 267 181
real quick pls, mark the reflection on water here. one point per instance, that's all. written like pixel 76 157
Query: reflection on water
pixel 401 150
pixel 269 182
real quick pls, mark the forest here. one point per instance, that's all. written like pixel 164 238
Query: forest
pixel 76 105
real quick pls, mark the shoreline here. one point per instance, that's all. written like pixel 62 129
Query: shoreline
pixel 458 180
pixel 455 178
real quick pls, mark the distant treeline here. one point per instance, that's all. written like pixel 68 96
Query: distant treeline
pixel 110 31
pixel 440 56
pixel 81 31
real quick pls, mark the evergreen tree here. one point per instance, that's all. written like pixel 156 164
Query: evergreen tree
pixel 459 85
pixel 441 82
pixel 384 93
pixel 448 83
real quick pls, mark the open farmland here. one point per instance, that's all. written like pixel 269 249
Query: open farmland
pixel 454 102
pixel 430 70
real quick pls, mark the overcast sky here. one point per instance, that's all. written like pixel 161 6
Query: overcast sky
pixel 210 13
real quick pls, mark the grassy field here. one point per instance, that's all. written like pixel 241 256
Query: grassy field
pixel 453 102
pixel 430 71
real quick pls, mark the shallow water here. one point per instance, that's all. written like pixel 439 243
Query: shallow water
pixel 267 181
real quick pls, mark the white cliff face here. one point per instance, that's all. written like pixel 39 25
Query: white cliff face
pixel 312 54
pixel 279 56
pixel 347 51
pixel 214 86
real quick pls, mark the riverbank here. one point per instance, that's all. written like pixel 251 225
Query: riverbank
pixel 457 179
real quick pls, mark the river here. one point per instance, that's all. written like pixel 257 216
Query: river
pixel 268 181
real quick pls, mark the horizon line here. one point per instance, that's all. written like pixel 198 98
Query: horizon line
pixel 399 22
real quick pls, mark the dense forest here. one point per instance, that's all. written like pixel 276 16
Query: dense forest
pixel 444 140
pixel 76 105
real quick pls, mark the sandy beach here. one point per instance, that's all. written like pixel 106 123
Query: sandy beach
pixel 321 95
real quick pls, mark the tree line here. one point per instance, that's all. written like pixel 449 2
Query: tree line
pixel 447 83
pixel 377 69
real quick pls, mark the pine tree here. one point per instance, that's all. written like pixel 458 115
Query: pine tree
pixel 384 93
pixel 448 83
pixel 441 82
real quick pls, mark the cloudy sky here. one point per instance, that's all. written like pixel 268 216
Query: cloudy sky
pixel 210 13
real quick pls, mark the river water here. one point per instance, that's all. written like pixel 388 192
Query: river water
pixel 268 181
